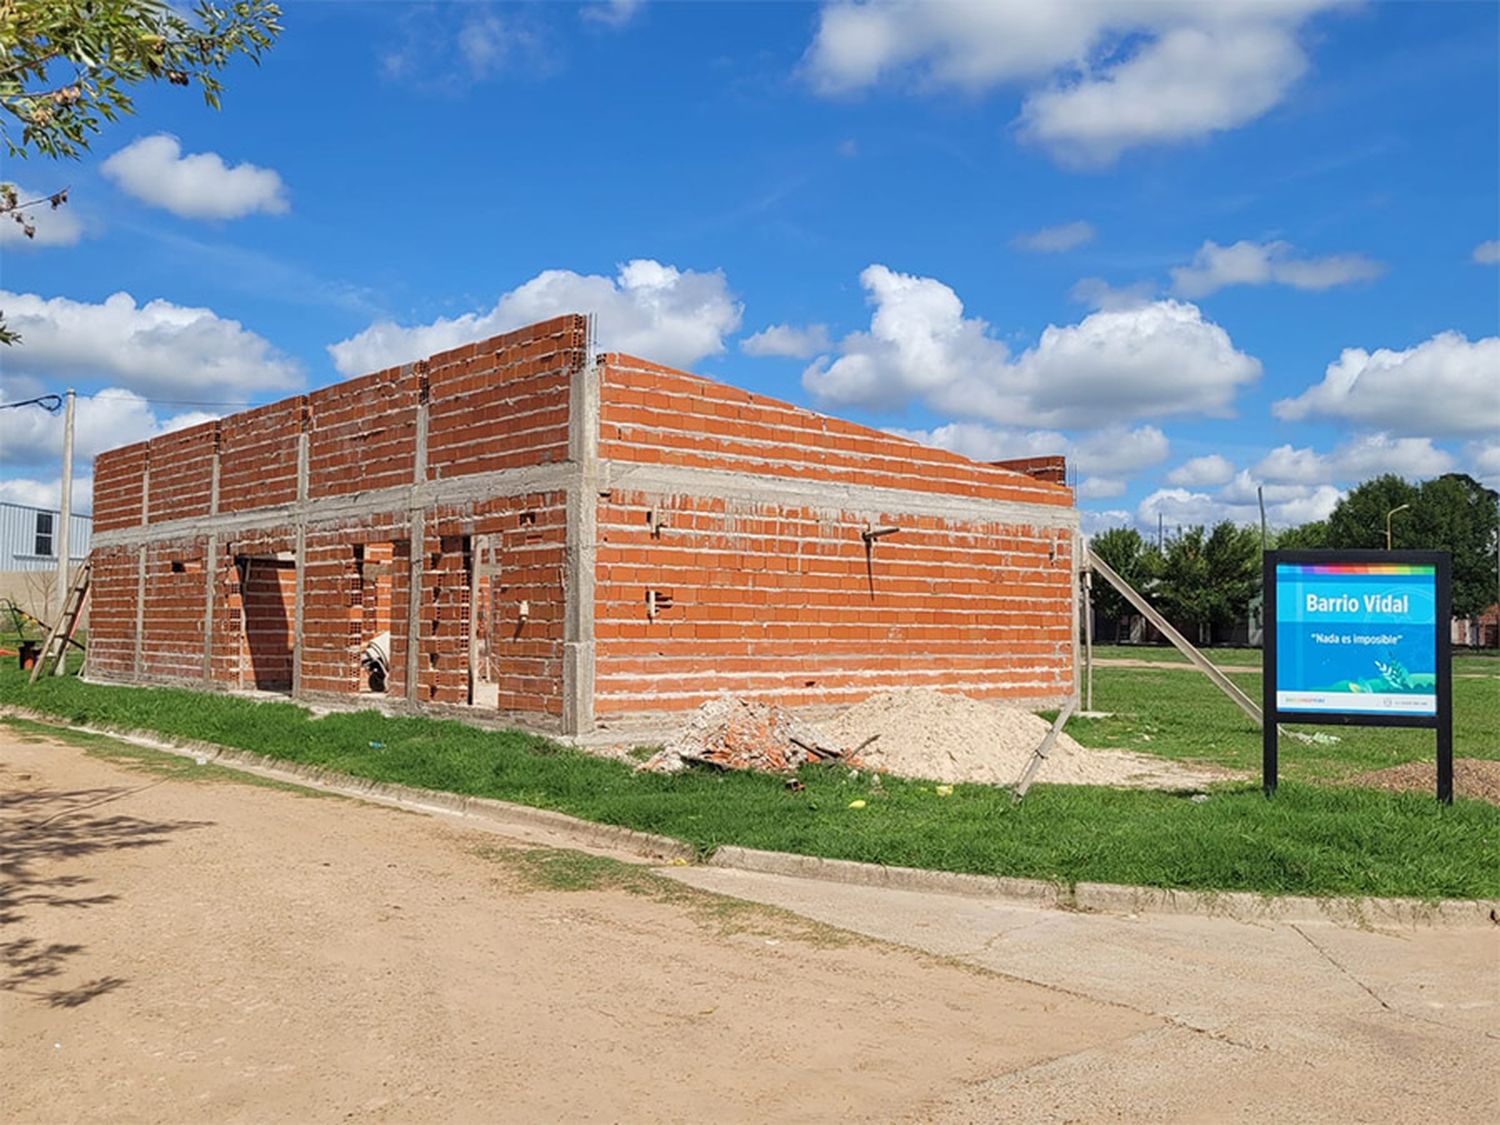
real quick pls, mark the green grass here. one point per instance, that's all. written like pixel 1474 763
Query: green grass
pixel 1178 713
pixel 1309 840
pixel 1166 654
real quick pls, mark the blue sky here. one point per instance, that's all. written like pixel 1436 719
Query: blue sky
pixel 1196 247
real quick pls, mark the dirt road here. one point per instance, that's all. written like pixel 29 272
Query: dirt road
pixel 177 950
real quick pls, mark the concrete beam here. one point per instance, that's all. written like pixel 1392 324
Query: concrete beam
pixel 831 495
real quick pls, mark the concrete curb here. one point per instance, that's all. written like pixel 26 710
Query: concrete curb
pixel 1107 898
pixel 1103 898
pixel 499 814
pixel 1029 892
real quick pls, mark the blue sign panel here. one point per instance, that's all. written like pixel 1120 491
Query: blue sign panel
pixel 1357 638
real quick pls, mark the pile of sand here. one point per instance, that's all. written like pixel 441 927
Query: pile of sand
pixel 943 737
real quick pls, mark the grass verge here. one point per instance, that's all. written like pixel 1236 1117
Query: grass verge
pixel 1310 839
pixel 1178 713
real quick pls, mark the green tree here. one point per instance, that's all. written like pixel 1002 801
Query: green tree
pixel 70 65
pixel 1181 590
pixel 1208 578
pixel 1125 552
pixel 1453 513
pixel 1305 537
pixel 1359 519
pixel 1232 555
pixel 1457 514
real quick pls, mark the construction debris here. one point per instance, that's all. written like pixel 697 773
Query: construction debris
pixel 738 734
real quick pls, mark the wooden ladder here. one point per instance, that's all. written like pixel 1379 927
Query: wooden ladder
pixel 62 633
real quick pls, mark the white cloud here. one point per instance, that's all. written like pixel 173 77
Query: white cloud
pixel 1115 365
pixel 1102 76
pixel 1202 472
pixel 51 226
pixel 1115 450
pixel 613 13
pixel 1099 488
pixel 1265 263
pixel 196 186
pixel 1445 386
pixel 1054 240
pixel 1488 253
pixel 48 493
pixel 1484 461
pixel 657 312
pixel 1093 523
pixel 449 48
pixel 980 442
pixel 788 340
pixel 1097 293
pixel 1358 459
pixel 1106 456
pixel 103 420
pixel 1288 506
pixel 155 348
pixel 1188 82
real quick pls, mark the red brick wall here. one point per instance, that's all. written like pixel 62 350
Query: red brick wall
pixel 498 404
pixel 654 414
pixel 118 478
pixel 503 403
pixel 258 456
pixel 174 634
pixel 780 601
pixel 111 651
pixel 182 467
pixel 362 433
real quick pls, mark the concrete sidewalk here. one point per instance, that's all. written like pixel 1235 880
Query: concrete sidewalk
pixel 1294 1021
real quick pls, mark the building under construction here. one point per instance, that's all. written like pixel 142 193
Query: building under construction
pixel 523 528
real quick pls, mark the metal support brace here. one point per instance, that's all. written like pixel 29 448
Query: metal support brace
pixel 1201 662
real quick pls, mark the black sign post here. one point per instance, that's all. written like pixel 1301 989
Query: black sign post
pixel 1362 617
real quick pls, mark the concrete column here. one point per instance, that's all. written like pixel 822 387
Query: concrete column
pixel 416 518
pixel 582 549
pixel 300 590
pixel 137 664
pixel 211 570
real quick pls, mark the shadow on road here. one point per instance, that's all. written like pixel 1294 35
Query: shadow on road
pixel 40 828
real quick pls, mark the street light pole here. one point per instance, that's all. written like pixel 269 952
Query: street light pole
pixel 1388 516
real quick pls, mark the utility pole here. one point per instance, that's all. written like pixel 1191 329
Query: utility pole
pixel 64 549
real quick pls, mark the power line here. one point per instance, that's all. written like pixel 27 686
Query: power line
pixel 169 401
pixel 50 403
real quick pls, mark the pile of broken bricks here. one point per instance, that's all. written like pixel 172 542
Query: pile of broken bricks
pixel 738 734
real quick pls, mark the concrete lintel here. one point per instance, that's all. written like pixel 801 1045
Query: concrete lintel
pixel 862 499
pixel 333 510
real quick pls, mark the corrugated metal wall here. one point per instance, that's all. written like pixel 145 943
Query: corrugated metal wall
pixel 18 538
